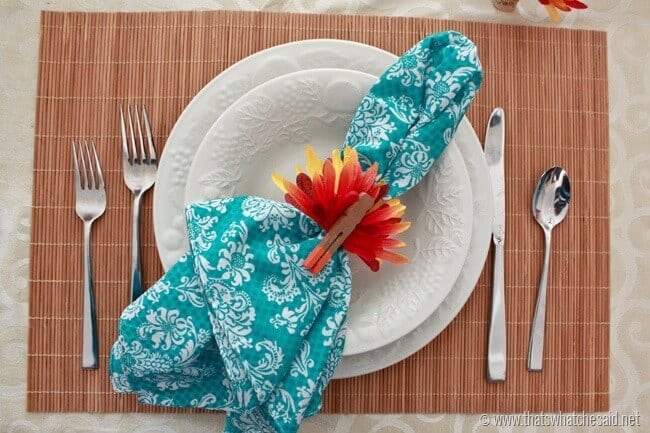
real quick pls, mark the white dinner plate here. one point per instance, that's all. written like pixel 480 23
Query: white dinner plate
pixel 374 360
pixel 267 130
pixel 219 94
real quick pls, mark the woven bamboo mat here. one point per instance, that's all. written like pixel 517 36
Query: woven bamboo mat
pixel 553 86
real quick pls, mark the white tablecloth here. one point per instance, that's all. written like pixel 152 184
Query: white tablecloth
pixel 628 25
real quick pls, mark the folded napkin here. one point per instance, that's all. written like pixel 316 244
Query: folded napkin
pixel 239 323
pixel 409 116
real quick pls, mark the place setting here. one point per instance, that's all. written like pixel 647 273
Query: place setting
pixel 316 221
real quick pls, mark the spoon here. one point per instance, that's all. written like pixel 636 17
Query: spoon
pixel 550 206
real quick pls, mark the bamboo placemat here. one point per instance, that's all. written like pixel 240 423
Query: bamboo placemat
pixel 553 86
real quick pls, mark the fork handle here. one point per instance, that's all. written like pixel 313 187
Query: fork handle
pixel 89 323
pixel 136 270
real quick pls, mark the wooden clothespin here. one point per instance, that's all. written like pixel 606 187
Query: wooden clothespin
pixel 335 236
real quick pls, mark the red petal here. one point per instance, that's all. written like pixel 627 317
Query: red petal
pixel 299 199
pixel 368 179
pixel 348 175
pixel 383 190
pixel 304 183
pixel 575 4
pixel 318 190
pixel 358 247
pixel 329 177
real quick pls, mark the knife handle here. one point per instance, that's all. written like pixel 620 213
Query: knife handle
pixel 496 359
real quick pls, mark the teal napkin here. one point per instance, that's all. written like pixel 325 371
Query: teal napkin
pixel 409 116
pixel 238 323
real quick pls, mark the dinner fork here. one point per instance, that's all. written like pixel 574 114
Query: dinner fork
pixel 90 204
pixel 139 169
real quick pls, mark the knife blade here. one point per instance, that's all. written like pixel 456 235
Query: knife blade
pixel 494 149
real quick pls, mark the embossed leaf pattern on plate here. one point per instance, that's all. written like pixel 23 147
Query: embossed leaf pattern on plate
pixel 218 95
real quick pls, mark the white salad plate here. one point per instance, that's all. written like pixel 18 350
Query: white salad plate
pixel 212 101
pixel 267 130
pixel 368 362
pixel 219 93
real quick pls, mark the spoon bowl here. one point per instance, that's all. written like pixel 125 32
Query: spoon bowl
pixel 551 198
pixel 550 206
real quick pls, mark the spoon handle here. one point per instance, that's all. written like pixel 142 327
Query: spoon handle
pixel 536 348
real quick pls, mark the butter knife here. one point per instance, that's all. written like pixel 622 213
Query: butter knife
pixel 494 146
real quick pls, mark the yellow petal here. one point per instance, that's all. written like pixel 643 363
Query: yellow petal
pixel 348 152
pixel 392 202
pixel 279 181
pixel 336 158
pixel 299 170
pixel 337 163
pixel 314 164
pixel 552 12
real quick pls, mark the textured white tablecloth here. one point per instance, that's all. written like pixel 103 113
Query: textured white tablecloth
pixel 628 25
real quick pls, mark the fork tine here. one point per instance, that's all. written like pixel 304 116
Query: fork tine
pixel 92 184
pixel 84 173
pixel 143 156
pixel 125 140
pixel 75 165
pixel 134 153
pixel 98 168
pixel 153 159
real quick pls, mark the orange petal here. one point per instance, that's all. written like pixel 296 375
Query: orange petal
pixel 561 5
pixel 383 213
pixel 392 257
pixel 391 243
pixel 386 229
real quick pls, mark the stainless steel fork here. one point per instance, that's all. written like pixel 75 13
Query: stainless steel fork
pixel 139 169
pixel 90 195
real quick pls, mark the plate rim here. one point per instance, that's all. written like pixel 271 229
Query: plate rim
pixel 426 332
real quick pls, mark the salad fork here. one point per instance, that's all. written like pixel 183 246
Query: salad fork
pixel 139 168
pixel 90 204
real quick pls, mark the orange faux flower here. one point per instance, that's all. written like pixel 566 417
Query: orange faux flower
pixel 326 189
pixel 564 5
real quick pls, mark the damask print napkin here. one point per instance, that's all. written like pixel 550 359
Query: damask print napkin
pixel 409 116
pixel 238 323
